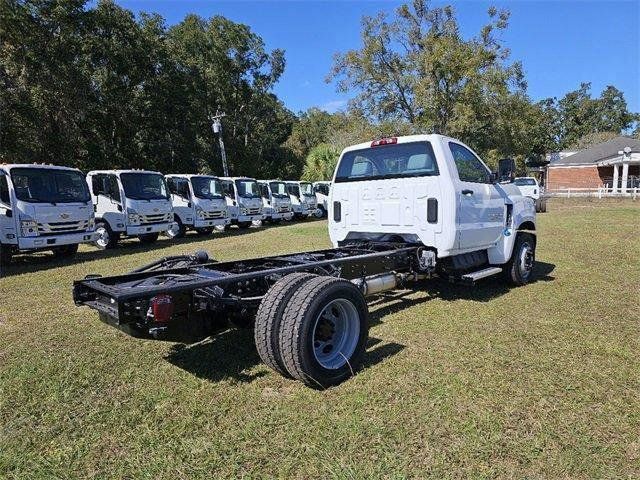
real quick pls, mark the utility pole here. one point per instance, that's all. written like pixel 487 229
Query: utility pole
pixel 216 125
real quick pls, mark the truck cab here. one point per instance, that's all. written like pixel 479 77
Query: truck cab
pixel 198 204
pixel 321 189
pixel 129 203
pixel 276 203
pixel 303 200
pixel 529 187
pixel 243 199
pixel 43 207
pixel 435 191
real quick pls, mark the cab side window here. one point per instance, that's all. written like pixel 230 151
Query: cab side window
pixel 4 190
pixel 470 168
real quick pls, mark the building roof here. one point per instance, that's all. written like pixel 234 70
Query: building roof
pixel 599 152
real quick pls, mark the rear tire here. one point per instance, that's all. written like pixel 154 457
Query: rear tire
pixel 148 238
pixel 519 269
pixel 65 251
pixel 269 317
pixel 107 239
pixel 324 331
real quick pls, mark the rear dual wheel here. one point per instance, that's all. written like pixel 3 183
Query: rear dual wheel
pixel 315 330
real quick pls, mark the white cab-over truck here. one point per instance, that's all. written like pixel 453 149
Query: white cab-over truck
pixel 198 204
pixel 129 203
pixel 303 199
pixel 243 200
pixel 321 189
pixel 529 187
pixel 401 210
pixel 276 204
pixel 43 207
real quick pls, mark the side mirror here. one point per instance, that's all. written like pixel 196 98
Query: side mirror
pixel 506 170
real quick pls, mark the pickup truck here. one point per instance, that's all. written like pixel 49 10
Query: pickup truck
pixel 529 187
pixel 401 210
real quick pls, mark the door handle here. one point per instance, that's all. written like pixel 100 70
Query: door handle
pixel 467 192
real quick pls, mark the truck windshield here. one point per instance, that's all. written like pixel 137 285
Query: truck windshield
pixel 278 189
pixel 49 185
pixel 206 187
pixel 227 188
pixel 248 188
pixel 144 186
pixel 307 188
pixel 415 159
pixel 524 181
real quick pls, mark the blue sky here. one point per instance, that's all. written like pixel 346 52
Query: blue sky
pixel 560 43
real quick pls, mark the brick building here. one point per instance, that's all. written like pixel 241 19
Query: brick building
pixel 614 164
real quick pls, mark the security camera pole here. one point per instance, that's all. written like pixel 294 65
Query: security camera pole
pixel 216 125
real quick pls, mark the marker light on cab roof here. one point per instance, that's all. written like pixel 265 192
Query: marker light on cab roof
pixel 384 141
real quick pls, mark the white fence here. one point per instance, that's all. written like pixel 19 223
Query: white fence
pixel 599 192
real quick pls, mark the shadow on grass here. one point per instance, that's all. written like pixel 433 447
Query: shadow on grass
pixel 44 260
pixel 231 353
pixel 483 291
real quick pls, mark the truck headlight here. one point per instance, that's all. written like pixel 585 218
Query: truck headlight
pixel 91 224
pixel 29 228
pixel 200 213
pixel 244 211
pixel 134 218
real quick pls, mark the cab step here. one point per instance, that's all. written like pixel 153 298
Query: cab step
pixel 473 277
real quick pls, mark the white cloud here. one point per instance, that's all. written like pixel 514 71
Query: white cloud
pixel 334 105
pixel 306 83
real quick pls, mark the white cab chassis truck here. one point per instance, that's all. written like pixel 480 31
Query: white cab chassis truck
pixel 276 204
pixel 243 199
pixel 129 203
pixel 198 204
pixel 303 199
pixel 321 190
pixel 43 207
pixel 401 210
pixel 529 187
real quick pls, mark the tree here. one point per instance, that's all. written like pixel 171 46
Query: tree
pixel 320 163
pixel 419 68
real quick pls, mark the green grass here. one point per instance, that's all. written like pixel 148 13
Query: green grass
pixel 541 381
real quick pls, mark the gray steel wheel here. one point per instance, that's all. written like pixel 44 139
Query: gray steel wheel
pixel 526 258
pixel 174 230
pixel 336 333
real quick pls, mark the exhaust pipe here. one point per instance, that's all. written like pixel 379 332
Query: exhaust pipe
pixel 376 283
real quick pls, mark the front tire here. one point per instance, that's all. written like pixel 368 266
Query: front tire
pixel 148 238
pixel 323 332
pixel 518 271
pixel 204 231
pixel 244 225
pixel 177 229
pixel 107 239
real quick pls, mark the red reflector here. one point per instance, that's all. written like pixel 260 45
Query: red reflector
pixel 384 141
pixel 162 308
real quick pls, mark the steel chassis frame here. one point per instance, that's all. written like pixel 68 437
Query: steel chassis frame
pixel 201 287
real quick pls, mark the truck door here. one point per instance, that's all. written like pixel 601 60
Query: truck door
pixel 480 207
pixel 7 220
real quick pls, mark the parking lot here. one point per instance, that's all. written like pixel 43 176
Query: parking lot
pixel 537 381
